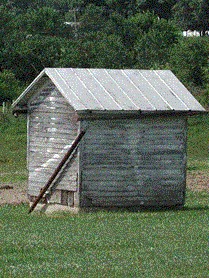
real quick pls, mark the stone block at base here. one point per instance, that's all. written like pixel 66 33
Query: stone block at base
pixel 51 208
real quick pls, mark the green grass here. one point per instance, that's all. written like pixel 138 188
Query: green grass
pixel 198 143
pixel 12 148
pixel 106 244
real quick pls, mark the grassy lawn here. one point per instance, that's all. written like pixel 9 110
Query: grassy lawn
pixel 102 244
pixel 12 148
pixel 106 244
pixel 198 143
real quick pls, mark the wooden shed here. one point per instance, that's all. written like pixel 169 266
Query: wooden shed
pixel 133 153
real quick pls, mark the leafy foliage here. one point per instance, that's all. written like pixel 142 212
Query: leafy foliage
pixel 163 8
pixel 33 54
pixel 108 33
pixel 95 50
pixel 44 20
pixel 190 60
pixel 192 15
pixel 9 86
pixel 153 45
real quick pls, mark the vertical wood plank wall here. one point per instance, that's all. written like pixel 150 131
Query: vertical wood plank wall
pixel 134 162
pixel 52 130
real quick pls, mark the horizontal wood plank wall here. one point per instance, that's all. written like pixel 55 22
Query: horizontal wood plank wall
pixel 52 129
pixel 134 162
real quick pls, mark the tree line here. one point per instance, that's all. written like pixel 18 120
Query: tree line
pixel 144 34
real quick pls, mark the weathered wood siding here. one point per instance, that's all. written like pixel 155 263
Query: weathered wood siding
pixel 52 129
pixel 134 162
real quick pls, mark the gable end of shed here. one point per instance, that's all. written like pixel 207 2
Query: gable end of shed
pixel 52 128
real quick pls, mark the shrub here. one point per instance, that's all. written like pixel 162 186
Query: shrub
pixel 190 60
pixel 10 87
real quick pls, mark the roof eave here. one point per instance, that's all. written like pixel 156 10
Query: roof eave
pixel 17 106
pixel 84 114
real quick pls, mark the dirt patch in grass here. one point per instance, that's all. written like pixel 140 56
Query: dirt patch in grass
pixel 17 193
pixel 198 180
pixel 13 193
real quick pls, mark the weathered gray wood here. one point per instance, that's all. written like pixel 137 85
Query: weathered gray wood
pixel 48 164
pixel 124 158
pixel 55 136
pixel 129 194
pixel 48 147
pixel 40 179
pixel 48 122
pixel 50 132
pixel 131 184
pixel 54 177
pixel 143 133
pixel 36 186
pixel 55 197
pixel 51 120
pixel 52 129
pixel 49 111
pixel 120 201
pixel 40 140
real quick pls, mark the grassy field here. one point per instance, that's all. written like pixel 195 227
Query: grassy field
pixel 106 244
pixel 12 148
pixel 198 143
pixel 102 244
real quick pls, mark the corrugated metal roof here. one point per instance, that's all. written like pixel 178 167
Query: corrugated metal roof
pixel 113 90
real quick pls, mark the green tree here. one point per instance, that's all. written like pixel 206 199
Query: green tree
pixel 189 60
pixel 7 23
pixel 10 87
pixel 92 20
pixel 44 20
pixel 33 54
pixel 7 29
pixel 153 48
pixel 123 7
pixel 96 50
pixel 136 26
pixel 204 17
pixel 162 8
pixel 106 51
pixel 63 5
pixel 192 15
pixel 149 40
pixel 22 5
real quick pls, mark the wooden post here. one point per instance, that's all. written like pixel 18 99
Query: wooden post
pixel 4 107
pixel 57 170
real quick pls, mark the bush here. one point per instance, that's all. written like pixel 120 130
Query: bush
pixel 154 39
pixel 190 60
pixel 10 87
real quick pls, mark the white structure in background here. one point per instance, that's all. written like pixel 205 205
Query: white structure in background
pixel 194 33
